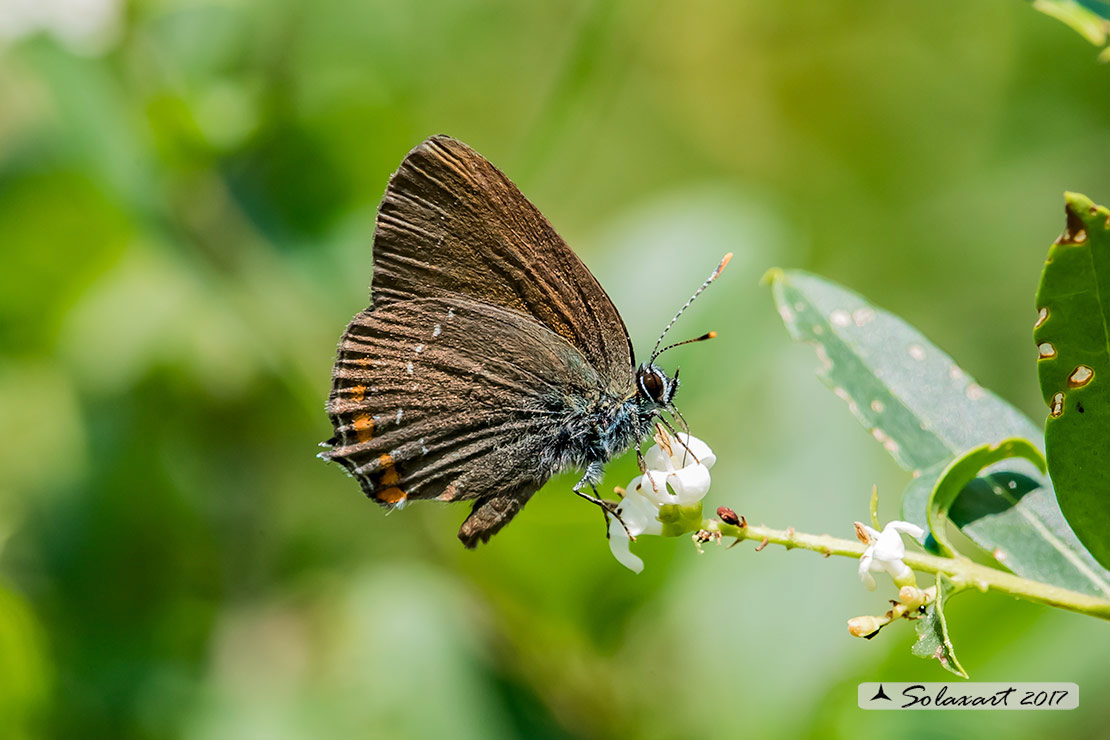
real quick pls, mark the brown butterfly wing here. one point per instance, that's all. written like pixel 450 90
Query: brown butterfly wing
pixel 452 223
pixel 451 399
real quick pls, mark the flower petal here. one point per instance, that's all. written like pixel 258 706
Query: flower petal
pixel 897 570
pixel 865 570
pixel 889 546
pixel 653 486
pixel 619 546
pixel 690 484
pixel 656 458
pixel 909 528
pixel 639 512
pixel 695 452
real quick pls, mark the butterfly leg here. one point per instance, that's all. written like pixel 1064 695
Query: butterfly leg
pixel 593 474
pixel 616 515
pixel 607 507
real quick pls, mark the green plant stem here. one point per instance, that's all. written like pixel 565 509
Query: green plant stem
pixel 962 572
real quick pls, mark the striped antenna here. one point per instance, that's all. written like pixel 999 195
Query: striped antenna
pixel 702 338
pixel 655 352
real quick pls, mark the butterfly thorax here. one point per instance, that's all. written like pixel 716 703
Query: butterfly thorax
pixel 593 435
pixel 595 428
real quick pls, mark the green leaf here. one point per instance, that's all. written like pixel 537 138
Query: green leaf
pixel 955 477
pixel 25 672
pixel 926 412
pixel 932 633
pixel 1089 18
pixel 915 501
pixel 1073 344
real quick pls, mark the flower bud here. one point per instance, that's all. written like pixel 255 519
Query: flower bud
pixel 911 596
pixel 865 626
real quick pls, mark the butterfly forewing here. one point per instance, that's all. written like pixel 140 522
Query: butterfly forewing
pixel 452 223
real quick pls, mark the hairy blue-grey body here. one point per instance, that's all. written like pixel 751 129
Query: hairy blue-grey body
pixel 595 429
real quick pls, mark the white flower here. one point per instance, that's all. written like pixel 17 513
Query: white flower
pixel 685 471
pixel 679 477
pixel 885 551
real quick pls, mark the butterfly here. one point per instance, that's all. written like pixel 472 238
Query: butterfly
pixel 490 358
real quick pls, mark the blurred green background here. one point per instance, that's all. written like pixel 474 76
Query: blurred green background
pixel 187 195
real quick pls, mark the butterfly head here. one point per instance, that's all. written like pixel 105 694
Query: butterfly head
pixel 655 386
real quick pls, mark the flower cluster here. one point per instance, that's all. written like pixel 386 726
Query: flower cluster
pixel 675 479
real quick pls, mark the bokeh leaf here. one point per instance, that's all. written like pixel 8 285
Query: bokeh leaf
pixel 926 411
pixel 958 474
pixel 1073 343
pixel 25 672
pixel 1089 18
pixel 932 633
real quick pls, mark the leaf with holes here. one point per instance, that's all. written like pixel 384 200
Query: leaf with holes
pixel 962 471
pixel 932 633
pixel 926 412
pixel 1073 345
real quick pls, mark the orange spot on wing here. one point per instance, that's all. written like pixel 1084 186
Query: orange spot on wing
pixel 363 424
pixel 391 495
pixel 357 393
pixel 388 477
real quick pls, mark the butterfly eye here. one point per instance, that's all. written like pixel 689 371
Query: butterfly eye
pixel 653 385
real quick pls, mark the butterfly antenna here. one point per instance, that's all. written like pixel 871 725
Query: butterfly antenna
pixel 702 338
pixel 720 268
pixel 685 427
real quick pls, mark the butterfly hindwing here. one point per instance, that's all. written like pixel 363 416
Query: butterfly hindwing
pixel 451 399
